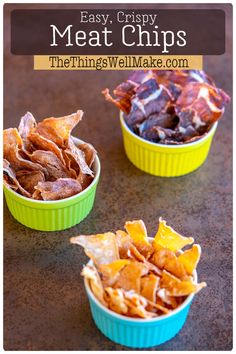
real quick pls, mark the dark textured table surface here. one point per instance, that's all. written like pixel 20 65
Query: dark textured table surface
pixel 45 306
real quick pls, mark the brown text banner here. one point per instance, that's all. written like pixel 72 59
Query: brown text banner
pixel 111 32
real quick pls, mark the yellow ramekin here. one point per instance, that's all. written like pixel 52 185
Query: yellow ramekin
pixel 165 160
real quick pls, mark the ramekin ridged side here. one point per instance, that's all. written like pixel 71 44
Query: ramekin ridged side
pixel 53 215
pixel 50 219
pixel 165 160
pixel 137 332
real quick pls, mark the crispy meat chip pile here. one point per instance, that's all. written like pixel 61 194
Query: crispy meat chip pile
pixel 136 277
pixel 169 106
pixel 41 161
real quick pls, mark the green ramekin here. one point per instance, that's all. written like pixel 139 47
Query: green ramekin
pixel 53 215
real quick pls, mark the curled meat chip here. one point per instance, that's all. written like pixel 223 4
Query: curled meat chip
pixel 149 286
pixel 11 138
pixel 52 164
pixel 116 300
pixel 175 80
pixel 140 76
pixel 58 129
pixel 124 92
pixel 10 180
pixel 90 273
pixel 142 285
pixel 167 237
pixel 138 233
pixel 147 96
pixel 37 195
pixel 177 287
pixel 68 163
pixel 110 272
pixel 130 276
pixel 166 259
pixel 122 103
pixel 27 124
pixel 78 157
pixel 12 143
pixel 59 189
pixel 190 258
pixel 206 101
pixel 42 143
pixel 29 179
pixel 19 163
pixel 84 180
pixel 89 153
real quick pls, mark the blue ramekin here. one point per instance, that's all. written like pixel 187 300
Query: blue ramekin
pixel 135 332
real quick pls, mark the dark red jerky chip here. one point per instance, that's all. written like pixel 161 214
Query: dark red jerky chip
pixel 190 97
pixel 149 99
pixel 148 129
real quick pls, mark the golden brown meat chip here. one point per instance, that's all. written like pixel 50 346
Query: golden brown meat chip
pixel 11 137
pixel 59 189
pixel 177 287
pixel 110 272
pixel 190 258
pixel 149 286
pixel 58 130
pixel 124 242
pixel 167 237
pixel 140 285
pixel 166 259
pixel 130 276
pixel 138 233
pixel 101 248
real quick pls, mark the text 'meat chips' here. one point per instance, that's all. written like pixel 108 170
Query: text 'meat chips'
pixel 137 276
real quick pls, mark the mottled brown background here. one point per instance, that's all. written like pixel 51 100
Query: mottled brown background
pixel 45 306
